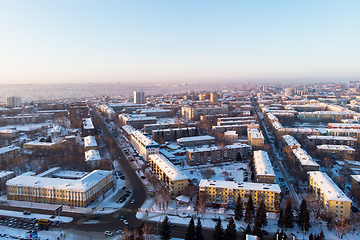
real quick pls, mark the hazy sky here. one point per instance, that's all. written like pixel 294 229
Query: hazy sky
pixel 178 40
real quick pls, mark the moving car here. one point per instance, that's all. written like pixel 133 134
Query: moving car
pixel 108 233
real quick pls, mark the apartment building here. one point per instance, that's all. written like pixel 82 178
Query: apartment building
pixel 148 128
pixel 7 154
pixel 313 141
pixel 33 145
pixel 90 143
pixel 195 141
pixel 171 134
pixel 4 176
pixel 290 142
pixel 88 128
pixel 93 158
pixel 136 120
pixel 144 145
pixel 255 138
pixel 231 137
pixel 194 113
pixel 344 125
pixel 175 180
pixel 264 171
pixel 355 181
pixel 327 192
pixel 156 112
pixel 72 192
pixel 240 129
pixel 217 154
pixel 323 116
pixel 139 97
pixel 13 102
pixel 337 151
pixel 236 122
pixel 225 193
pixel 77 112
pixel 108 111
pixel 9 133
pixel 303 160
pixel 355 133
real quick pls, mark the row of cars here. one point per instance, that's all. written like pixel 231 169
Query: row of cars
pixel 283 186
pixel 24 223
pixel 124 196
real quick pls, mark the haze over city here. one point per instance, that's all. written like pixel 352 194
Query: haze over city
pixel 181 41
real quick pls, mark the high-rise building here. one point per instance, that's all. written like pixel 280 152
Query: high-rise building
pixel 289 92
pixel 77 112
pixel 213 97
pixel 139 97
pixel 12 102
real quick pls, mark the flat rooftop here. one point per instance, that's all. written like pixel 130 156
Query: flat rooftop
pixel 240 185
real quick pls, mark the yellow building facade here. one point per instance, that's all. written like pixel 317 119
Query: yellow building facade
pixel 225 193
pixel 327 192
pixel 175 180
pixel 79 193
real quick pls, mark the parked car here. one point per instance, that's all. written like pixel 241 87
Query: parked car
pixel 241 229
pixel 108 233
pixel 120 232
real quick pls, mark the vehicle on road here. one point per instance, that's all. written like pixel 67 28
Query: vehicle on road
pixel 133 201
pixel 108 233
pixel 125 222
pixel 241 229
pixel 120 231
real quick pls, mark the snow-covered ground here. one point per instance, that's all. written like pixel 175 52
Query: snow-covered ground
pixel 16 214
pixel 227 170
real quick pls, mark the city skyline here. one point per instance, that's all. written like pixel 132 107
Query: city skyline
pixel 141 42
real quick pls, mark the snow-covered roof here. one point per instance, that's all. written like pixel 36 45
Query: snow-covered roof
pixel 128 129
pixel 92 155
pixel 6 173
pixel 328 187
pixel 8 149
pixel 38 143
pixel 335 147
pixel 255 133
pixel 344 125
pixel 340 138
pixel 215 148
pixel 87 123
pixel 168 167
pixel 146 141
pixel 82 184
pixel 304 158
pixel 70 174
pixel 240 185
pixel 90 141
pixel 196 138
pixel 56 129
pixel 356 177
pixel 291 141
pixel 263 164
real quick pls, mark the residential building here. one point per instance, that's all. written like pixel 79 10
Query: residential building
pixel 313 141
pixel 195 141
pixel 355 180
pixel 327 192
pixel 213 97
pixel 239 128
pixel 194 113
pixel 290 142
pixel 217 154
pixel 71 192
pixel 264 171
pixel 355 133
pixel 90 143
pixel 175 180
pixel 9 133
pixel 303 160
pixel 225 193
pixel 77 112
pixel 41 144
pixel 323 116
pixel 231 137
pixel 136 120
pixel 139 97
pixel 92 158
pixel 7 154
pixel 88 128
pixel 13 102
pixel 336 151
pixel 255 138
pixel 4 176
pixel 172 134
pixel 144 145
